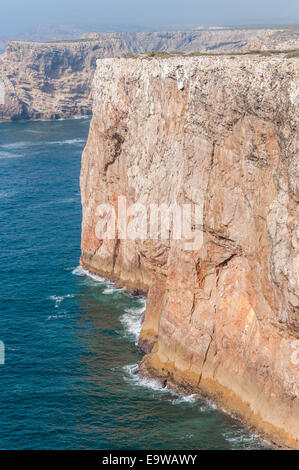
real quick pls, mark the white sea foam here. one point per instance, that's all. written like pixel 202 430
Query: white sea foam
pixel 175 398
pixel 132 321
pixel 132 376
pixel 87 116
pixel 208 406
pixel 15 145
pixel 111 290
pixel 79 271
pixel 66 142
pixel 132 317
pixel 20 145
pixel 55 317
pixel 246 440
pixel 185 399
pixel 8 155
pixel 60 298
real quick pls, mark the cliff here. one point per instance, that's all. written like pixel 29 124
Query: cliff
pixel 46 80
pixel 52 80
pixel 205 40
pixel 218 133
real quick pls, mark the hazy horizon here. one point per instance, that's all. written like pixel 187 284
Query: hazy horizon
pixel 23 16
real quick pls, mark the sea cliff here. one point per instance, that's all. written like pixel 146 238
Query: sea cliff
pixel 52 80
pixel 221 320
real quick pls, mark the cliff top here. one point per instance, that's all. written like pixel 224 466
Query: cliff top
pixel 255 74
pixel 52 43
pixel 96 42
pixel 206 40
pixel 168 62
pixel 287 53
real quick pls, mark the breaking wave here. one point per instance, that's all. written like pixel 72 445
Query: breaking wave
pixel 132 321
pixel 79 271
pixel 111 290
pixel 134 378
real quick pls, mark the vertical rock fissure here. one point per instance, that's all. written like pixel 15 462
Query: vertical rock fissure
pixel 206 356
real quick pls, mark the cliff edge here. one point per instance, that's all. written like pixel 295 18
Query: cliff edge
pixel 220 133
pixel 51 80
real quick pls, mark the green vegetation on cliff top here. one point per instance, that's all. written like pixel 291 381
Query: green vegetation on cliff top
pixel 288 54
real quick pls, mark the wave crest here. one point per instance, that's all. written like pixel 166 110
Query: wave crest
pixel 79 271
pixel 132 321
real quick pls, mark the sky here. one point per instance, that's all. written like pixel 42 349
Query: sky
pixel 21 15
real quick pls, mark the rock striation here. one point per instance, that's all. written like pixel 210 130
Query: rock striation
pixel 52 80
pixel 221 320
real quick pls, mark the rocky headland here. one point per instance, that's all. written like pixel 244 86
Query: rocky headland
pixel 221 320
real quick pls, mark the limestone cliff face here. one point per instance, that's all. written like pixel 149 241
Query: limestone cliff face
pixel 52 80
pixel 46 81
pixel 221 320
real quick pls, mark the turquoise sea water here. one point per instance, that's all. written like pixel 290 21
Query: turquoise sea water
pixel 70 339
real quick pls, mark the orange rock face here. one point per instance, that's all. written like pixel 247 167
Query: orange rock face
pixel 222 319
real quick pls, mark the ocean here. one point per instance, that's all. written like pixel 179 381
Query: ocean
pixel 69 380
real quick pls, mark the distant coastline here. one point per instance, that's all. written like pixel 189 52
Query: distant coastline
pixel 52 79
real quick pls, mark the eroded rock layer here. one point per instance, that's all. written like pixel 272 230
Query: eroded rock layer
pixel 221 320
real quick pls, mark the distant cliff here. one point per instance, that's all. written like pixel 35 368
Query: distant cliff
pixel 53 80
pixel 220 133
pixel 46 80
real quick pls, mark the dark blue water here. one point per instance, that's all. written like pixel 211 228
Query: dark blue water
pixel 68 381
